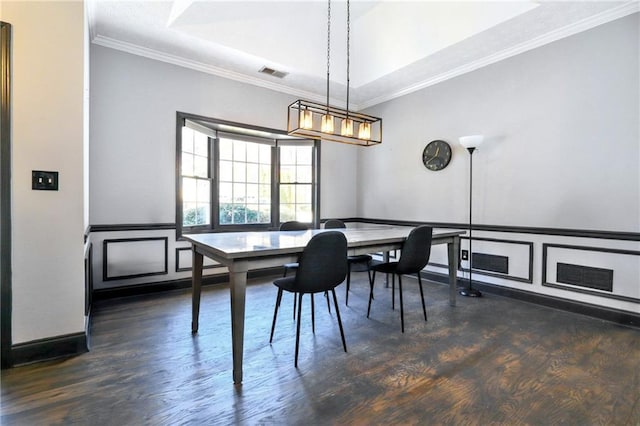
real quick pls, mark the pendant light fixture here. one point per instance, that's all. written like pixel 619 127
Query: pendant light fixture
pixel 313 120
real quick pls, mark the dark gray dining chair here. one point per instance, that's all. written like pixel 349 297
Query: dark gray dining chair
pixel 294 225
pixel 414 256
pixel 322 266
pixel 359 259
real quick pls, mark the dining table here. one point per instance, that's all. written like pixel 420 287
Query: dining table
pixel 241 252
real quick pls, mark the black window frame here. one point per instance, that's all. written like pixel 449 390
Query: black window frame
pixel 212 127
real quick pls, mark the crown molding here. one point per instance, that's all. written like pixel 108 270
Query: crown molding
pixel 137 50
pixel 621 11
pixel 569 30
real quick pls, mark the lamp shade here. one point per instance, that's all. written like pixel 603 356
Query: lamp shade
pixel 472 141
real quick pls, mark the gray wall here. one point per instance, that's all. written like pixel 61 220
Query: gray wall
pixel 562 144
pixel 562 150
pixel 132 158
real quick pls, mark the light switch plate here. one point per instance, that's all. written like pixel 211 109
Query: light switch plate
pixel 41 180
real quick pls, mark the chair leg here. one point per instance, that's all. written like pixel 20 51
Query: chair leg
pixel 424 309
pixel 326 296
pixel 393 291
pixel 275 313
pixel 401 305
pixel 335 302
pixel 294 305
pixel 346 299
pixel 369 270
pixel 298 329
pixel 313 315
pixel 371 281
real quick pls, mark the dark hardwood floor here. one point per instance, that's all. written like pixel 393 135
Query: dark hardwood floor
pixel 487 361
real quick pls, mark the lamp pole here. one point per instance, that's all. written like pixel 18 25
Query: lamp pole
pixel 471 143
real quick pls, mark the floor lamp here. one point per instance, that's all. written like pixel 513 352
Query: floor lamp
pixel 471 143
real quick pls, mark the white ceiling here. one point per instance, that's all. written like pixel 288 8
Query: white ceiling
pixel 396 46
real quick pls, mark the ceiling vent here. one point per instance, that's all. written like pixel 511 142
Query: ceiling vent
pixel 272 72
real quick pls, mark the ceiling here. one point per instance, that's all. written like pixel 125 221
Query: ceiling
pixel 396 47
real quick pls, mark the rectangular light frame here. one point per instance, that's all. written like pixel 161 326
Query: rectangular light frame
pixel 318 110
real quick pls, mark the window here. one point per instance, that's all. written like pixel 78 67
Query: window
pixel 233 177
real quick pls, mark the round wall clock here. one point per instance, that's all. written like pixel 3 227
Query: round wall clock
pixel 436 155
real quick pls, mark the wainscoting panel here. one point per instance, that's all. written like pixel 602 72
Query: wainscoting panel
pixel 490 255
pixel 606 272
pixel 134 257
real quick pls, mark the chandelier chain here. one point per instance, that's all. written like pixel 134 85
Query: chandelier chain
pixel 348 45
pixel 328 48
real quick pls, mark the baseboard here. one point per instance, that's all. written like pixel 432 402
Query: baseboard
pixel 600 312
pixel 49 348
pixel 158 286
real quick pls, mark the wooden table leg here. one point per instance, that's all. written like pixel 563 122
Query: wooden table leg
pixel 238 288
pixel 196 284
pixel 453 248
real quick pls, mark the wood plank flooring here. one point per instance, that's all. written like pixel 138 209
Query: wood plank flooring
pixel 487 361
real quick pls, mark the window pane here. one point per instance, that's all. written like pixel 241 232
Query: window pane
pixel 265 194
pixel 239 151
pixel 239 213
pixel 189 190
pixel 304 174
pixel 201 166
pixel 287 155
pixel 188 214
pixel 238 192
pixel 201 144
pixel 253 173
pixel 304 155
pixel 265 154
pixel 265 174
pixel 239 172
pixel 226 171
pixel 253 213
pixel 287 195
pixel 265 213
pixel 204 191
pixel 253 193
pixel 226 149
pixel 187 139
pixel 303 213
pixel 303 194
pixel 226 192
pixel 187 164
pixel 202 214
pixel 287 174
pixel 253 152
pixel 287 212
pixel 226 210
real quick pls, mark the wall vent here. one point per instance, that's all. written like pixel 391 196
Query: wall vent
pixel 272 72
pixel 491 262
pixel 585 276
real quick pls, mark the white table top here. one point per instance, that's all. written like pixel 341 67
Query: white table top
pixel 232 245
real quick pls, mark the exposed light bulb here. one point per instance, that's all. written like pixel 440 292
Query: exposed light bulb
pixel 347 127
pixel 327 123
pixel 306 119
pixel 364 131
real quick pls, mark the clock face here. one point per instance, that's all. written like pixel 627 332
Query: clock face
pixel 436 155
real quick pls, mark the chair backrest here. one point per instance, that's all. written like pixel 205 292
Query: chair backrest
pixel 416 250
pixel 334 224
pixel 323 263
pixel 293 226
